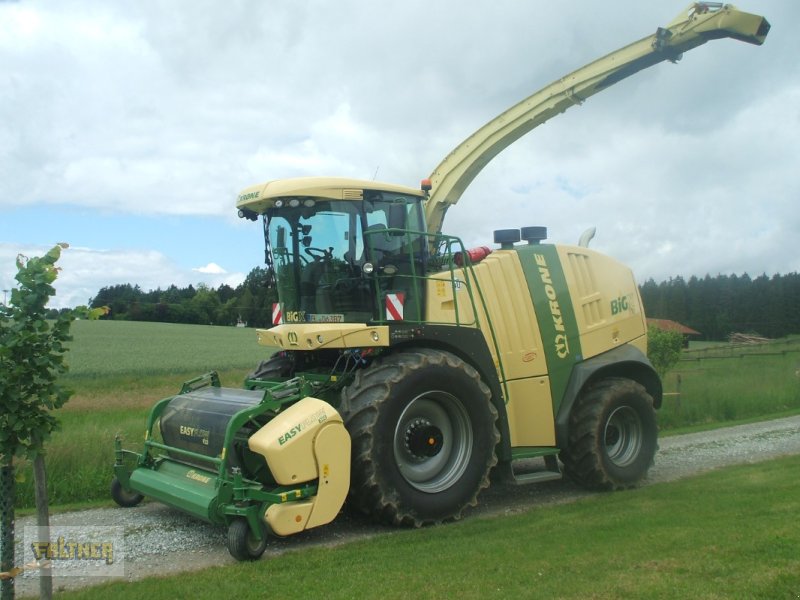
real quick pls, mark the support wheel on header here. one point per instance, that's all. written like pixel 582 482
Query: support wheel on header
pixel 242 542
pixel 122 496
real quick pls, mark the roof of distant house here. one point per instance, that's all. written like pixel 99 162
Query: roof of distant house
pixel 667 325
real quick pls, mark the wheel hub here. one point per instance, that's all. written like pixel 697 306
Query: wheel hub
pixel 623 436
pixel 423 439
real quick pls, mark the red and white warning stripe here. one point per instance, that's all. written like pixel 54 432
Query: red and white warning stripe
pixel 277 314
pixel 394 306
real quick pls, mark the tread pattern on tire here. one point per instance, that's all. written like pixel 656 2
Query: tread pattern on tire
pixel 361 403
pixel 584 458
pixel 275 367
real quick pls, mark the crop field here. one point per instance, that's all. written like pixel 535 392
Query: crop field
pixel 103 349
pixel 119 369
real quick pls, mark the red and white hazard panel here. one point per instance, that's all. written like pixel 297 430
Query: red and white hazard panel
pixel 277 314
pixel 394 306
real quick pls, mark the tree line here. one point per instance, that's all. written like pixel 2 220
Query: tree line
pixel 721 305
pixel 714 306
pixel 249 303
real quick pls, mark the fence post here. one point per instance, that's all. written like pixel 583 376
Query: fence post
pixel 7 493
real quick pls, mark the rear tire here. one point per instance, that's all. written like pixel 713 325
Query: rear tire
pixel 424 432
pixel 122 496
pixel 242 543
pixel 613 436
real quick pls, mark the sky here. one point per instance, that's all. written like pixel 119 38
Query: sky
pixel 128 128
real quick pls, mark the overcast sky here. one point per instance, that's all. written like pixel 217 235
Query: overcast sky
pixel 128 128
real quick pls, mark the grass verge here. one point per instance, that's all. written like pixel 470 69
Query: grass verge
pixel 732 533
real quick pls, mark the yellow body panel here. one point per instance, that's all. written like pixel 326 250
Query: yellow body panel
pixel 289 518
pixel 516 332
pixel 315 336
pixel 307 441
pixel 608 308
pixel 262 196
pixel 508 302
pixel 530 412
pixel 287 441
pixel 332 453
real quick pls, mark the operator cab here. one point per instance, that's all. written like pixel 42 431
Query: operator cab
pixel 337 248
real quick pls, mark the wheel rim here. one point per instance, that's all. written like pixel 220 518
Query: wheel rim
pixel 623 436
pixel 433 441
pixel 254 546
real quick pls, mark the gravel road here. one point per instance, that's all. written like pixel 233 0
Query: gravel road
pixel 159 540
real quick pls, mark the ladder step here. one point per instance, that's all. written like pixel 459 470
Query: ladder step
pixel 535 477
pixel 550 471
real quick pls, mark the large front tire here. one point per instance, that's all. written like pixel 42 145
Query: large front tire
pixel 278 366
pixel 613 436
pixel 424 432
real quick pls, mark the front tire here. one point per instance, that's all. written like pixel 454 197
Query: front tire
pixel 613 436
pixel 424 432
pixel 278 366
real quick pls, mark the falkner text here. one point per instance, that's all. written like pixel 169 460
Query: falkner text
pixel 64 549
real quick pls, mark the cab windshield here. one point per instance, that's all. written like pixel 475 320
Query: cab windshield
pixel 319 249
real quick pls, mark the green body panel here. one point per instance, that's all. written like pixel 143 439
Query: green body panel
pixel 554 313
pixel 217 492
pixel 187 488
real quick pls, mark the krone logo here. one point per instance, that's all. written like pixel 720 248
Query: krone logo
pixel 560 341
pixel 292 337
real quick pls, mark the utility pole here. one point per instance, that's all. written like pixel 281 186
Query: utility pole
pixel 4 297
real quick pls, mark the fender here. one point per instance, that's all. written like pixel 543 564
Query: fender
pixel 623 361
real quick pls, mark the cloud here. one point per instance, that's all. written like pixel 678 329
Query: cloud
pixel 211 269
pixel 84 271
pixel 149 110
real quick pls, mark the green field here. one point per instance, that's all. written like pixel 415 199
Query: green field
pixel 721 383
pixel 732 533
pixel 103 349
pixel 118 369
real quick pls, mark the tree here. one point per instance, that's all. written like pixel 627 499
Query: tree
pixel 31 360
pixel 663 349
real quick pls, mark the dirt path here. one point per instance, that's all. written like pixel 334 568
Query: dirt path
pixel 159 540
